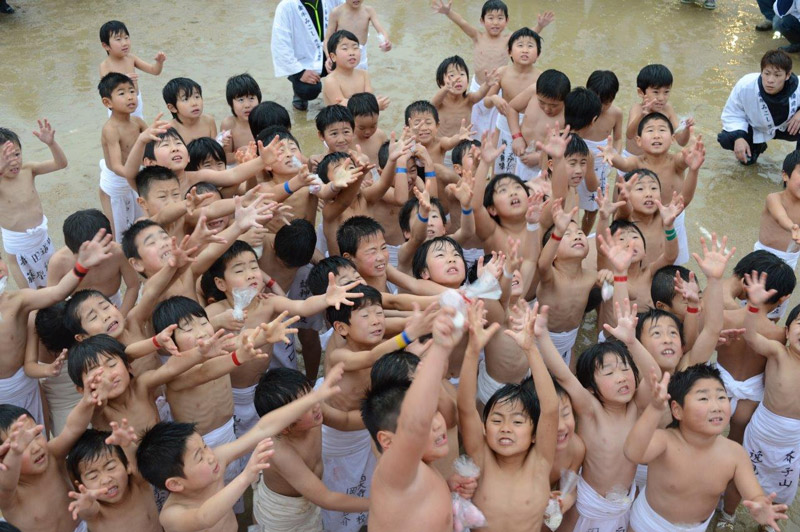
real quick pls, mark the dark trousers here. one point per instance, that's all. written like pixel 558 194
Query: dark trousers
pixel 307 91
pixel 727 140
pixel 765 6
pixel 789 28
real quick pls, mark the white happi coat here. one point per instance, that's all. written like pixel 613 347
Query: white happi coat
pixel 295 43
pixel 745 107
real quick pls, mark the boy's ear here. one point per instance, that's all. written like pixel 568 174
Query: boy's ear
pixel 424 274
pixel 491 210
pixel 638 140
pixel 348 256
pixel 220 283
pixel 107 102
pixel 457 169
pixel 80 337
pixel 136 264
pixel 321 137
pixel 661 306
pixel 143 204
pixel 148 162
pixel 676 410
pixel 385 439
pixel 640 92
pixel 174 484
pixel 172 109
pixel 341 328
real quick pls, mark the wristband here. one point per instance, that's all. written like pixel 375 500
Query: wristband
pixel 430 175
pixel 671 234
pixel 235 360
pixel 401 343
pixel 754 310
pixel 422 218
pixel 401 171
pixel 516 136
pixel 555 237
pixel 155 343
pixel 466 212
pixel 79 271
pixel 692 310
pixel 506 274
pixel 270 283
pixel 286 188
pixel 620 278
pixel 405 337
pixel 533 227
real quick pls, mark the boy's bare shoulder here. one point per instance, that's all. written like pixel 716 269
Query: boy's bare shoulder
pixel 228 122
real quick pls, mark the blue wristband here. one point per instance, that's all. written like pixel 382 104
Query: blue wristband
pixel 286 188
pixel 401 170
pixel 422 218
pixel 406 339
pixel 432 175
pixel 466 212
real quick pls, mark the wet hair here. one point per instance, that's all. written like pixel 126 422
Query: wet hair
pixel 175 310
pixel 335 39
pixel 653 77
pixel 89 447
pixel 404 216
pixel 576 146
pixel 239 86
pixel 792 316
pixel 173 89
pixel 494 5
pixel 421 107
pixel 109 83
pixel 790 162
pixel 201 149
pixel 85 356
pixel 592 359
pixel 491 187
pixel 353 231
pixel 363 104
pixel 268 114
pixel 522 393
pixel 605 84
pixel 778 59
pixel 383 155
pixel 8 527
pixel 643 172
pixel 217 270
pixel 111 28
pixel 317 280
pixel 72 321
pixel 380 408
pixel 295 243
pixel 526 32
pixel 654 315
pixel 150 174
pixel 780 276
pixel 662 287
pixel 160 452
pixel 6 135
pixel 651 117
pixel 627 225
pixel 50 328
pixel 334 114
pixel 203 187
pixel 9 414
pixel 150 147
pixel 129 237
pixel 278 387
pixel 397 366
pixel 553 84
pixel 462 148
pixel 581 107
pixel 82 226
pixel 330 159
pixel 271 132
pixel 420 260
pixel 456 61
pixel 682 382
pixel 370 297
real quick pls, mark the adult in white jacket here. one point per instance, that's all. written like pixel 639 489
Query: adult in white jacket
pixel 761 107
pixel 297 33
pixel 787 21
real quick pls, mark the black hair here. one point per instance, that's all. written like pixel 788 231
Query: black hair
pixel 654 77
pixel 217 270
pixel 491 186
pixel 330 159
pixel 50 328
pixel 201 149
pixel 420 260
pixel 455 61
pixel 6 135
pixel 176 309
pixel 72 321
pixel 643 172
pixel 627 225
pixel 268 114
pixel 383 155
pixel 523 393
pixel 160 452
pixel 790 162
pixel 792 316
pixel 381 406
pixel 110 82
pixel 173 89
pixel 9 414
pixel 780 276
pixel 462 148
pixel 295 243
pixel 404 216
pixel 129 237
pixel 651 117
pixel 472 271
pixel 150 147
pixel 353 231
pixel 777 58
pixel 203 187
pixel 576 145
pixel 209 290
pixel 266 135
pixel 89 447
pixel 654 315
pixel 592 359
pixel 494 5
pixel 604 83
pixel 363 104
pixel 82 226
pixel 526 32
pixel 581 107
pixel 333 114
pixel 278 387
pixel 111 28
pixel 421 107
pixel 239 86
pixel 149 174
pixel 317 280
pixel 8 527
pixel 681 383
pixel 85 356
pixel 553 84
pixel 397 366
pixel 662 287
pixel 343 314
pixel 335 39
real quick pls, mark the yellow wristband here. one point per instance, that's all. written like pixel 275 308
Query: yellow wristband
pixel 401 343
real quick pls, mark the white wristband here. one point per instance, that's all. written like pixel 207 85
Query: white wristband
pixel 533 227
pixel 506 274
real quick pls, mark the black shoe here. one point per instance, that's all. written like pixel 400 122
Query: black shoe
pixel 791 48
pixel 764 25
pixel 5 8
pixel 299 103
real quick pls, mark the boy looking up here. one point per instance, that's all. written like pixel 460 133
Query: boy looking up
pixel 184 99
pixel 345 78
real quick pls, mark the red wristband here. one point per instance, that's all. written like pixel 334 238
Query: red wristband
pixel 155 343
pixel 81 269
pixel 620 278
pixel 692 310
pixel 754 310
pixel 235 360
pixel 516 136
pixel 270 283
pixel 555 237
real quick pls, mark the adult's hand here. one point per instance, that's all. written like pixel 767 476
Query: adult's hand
pixel 310 77
pixel 741 149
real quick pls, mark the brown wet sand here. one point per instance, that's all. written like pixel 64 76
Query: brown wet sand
pixel 51 54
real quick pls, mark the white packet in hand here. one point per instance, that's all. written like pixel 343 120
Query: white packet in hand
pixel 222 135
pixel 241 299
pixel 552 514
pixel 486 287
pixel 607 292
pixel 465 514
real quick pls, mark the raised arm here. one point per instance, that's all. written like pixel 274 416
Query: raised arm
pixel 485 225
pixel 445 8
pixel 692 158
pixel 645 442
pixel 757 296
pixel 17 440
pixel 548 254
pixel 47 135
pixel 155 68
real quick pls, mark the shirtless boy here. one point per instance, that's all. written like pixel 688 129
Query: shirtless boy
pixel 184 99
pixel 355 16
pixel 345 78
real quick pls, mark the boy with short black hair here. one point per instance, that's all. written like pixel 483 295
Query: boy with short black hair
pixel 423 119
pixel 184 99
pixel 335 125
pixel 361 240
pixel 355 16
pixel 345 78
pixel 268 114
pixel 243 95
pixel 365 110
pixel 452 100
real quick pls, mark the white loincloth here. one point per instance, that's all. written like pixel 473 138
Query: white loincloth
pixel 116 299
pixel 751 389
pixel 274 512
pixel 22 391
pixel 394 251
pixel 645 519
pixel 564 342
pixel 507 161
pixel 363 63
pixel 586 198
pixel 348 463
pixel 486 384
pixel 322 242
pixel 62 397
pixel 683 240
pixel 483 118
pixel 525 172
pixel 33 249
pixel 124 208
pixel 640 479
pixel 139 107
pixel 245 416
pixel 598 514
pixel 163 408
pixel 220 436
pixel 790 259
pixel 82 527
pixel 774 448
